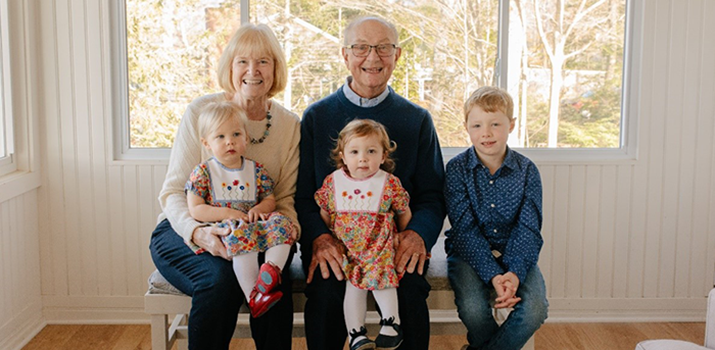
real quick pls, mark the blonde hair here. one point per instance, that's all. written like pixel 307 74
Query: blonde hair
pixel 362 128
pixel 216 113
pixel 491 99
pixel 348 32
pixel 257 40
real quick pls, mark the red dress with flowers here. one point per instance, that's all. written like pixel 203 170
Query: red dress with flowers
pixel 241 189
pixel 362 217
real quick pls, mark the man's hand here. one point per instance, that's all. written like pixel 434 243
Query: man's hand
pixel 506 286
pixel 411 252
pixel 327 251
pixel 208 237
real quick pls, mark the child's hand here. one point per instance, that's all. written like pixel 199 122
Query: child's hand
pixel 505 288
pixel 511 277
pixel 255 214
pixel 238 215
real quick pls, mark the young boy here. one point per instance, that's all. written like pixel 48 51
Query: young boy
pixel 493 199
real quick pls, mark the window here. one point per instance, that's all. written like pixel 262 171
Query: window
pixel 7 163
pixel 562 61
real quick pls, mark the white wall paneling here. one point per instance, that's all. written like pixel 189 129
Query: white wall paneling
pixel 20 294
pixel 623 240
pixel 20 301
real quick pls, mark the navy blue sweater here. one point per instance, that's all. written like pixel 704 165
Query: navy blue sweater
pixel 418 158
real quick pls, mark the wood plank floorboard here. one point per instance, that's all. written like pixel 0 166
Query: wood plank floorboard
pixel 551 336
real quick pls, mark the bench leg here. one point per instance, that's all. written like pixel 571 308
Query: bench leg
pixel 530 344
pixel 159 332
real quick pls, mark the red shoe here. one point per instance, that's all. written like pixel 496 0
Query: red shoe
pixel 269 276
pixel 260 303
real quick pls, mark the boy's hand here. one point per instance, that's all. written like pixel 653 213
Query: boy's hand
pixel 506 290
pixel 511 277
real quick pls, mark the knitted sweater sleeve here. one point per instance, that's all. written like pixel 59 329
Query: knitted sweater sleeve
pixel 185 155
pixel 308 211
pixel 427 199
pixel 284 189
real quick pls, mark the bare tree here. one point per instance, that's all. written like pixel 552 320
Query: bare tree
pixel 561 43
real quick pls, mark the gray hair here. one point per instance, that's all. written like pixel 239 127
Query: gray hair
pixel 349 29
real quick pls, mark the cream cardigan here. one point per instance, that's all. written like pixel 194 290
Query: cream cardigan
pixel 279 154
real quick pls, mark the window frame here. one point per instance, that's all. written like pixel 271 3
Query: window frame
pixel 626 153
pixel 8 163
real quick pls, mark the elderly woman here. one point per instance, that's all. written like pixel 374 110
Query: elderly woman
pixel 251 71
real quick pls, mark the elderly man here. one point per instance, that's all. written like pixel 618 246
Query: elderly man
pixel 370 53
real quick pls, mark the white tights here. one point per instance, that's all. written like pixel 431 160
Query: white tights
pixel 245 266
pixel 355 307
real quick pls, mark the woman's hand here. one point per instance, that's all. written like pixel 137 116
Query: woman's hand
pixel 209 238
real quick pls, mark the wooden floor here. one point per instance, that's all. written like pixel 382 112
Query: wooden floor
pixel 552 336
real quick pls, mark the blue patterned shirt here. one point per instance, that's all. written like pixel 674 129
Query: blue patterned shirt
pixel 500 212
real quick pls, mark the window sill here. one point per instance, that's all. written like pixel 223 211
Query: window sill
pixel 17 183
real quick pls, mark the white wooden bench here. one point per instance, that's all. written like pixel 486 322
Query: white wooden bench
pixel 169 308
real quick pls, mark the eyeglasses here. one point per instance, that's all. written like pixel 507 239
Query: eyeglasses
pixel 363 50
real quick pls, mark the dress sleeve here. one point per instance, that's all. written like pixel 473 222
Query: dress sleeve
pixel 264 183
pixel 325 196
pixel 198 182
pixel 400 197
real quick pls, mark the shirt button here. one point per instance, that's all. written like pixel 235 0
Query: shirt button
pixel 495 230
pixel 491 182
pixel 492 205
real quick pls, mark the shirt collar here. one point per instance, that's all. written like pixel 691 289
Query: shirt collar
pixel 361 101
pixel 510 160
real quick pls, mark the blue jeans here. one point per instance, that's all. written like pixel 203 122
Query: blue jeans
pixel 473 298
pixel 216 295
pixel 325 322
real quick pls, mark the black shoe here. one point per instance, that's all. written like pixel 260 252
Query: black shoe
pixel 362 344
pixel 389 342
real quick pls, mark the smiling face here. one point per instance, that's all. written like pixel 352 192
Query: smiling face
pixel 370 74
pixel 363 156
pixel 489 132
pixel 227 143
pixel 252 76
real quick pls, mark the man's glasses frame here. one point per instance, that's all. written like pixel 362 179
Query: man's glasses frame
pixel 363 50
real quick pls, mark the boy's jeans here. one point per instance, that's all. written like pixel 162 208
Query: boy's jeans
pixel 473 298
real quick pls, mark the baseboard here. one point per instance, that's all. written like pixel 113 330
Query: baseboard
pixel 130 310
pixel 628 310
pixel 19 331
pixel 94 310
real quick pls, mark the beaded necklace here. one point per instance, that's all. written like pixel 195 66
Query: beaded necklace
pixel 265 133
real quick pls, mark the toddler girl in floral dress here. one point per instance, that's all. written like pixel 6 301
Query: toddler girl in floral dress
pixel 231 191
pixel 359 202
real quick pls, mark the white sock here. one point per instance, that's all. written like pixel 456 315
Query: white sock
pixel 245 266
pixel 354 307
pixel 387 300
pixel 278 255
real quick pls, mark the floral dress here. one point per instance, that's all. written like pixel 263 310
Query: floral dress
pixel 241 189
pixel 362 217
